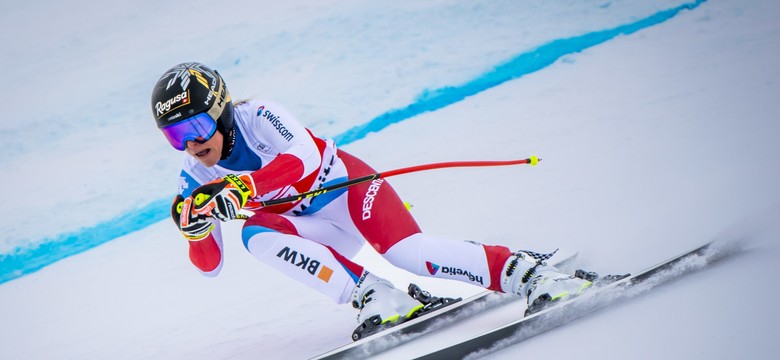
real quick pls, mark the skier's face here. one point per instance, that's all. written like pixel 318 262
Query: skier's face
pixel 207 153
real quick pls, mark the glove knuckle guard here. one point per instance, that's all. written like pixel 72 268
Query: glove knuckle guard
pixel 176 208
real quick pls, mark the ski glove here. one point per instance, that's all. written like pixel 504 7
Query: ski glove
pixel 192 225
pixel 222 199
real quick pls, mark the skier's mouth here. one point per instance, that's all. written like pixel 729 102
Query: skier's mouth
pixel 203 153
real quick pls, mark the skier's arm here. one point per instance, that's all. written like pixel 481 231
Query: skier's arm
pixel 206 253
pixel 204 236
pixel 286 169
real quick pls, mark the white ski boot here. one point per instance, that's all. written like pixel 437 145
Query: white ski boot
pixel 375 296
pixel 542 284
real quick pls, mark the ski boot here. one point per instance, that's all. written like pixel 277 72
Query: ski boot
pixel 527 274
pixel 381 305
pixel 545 300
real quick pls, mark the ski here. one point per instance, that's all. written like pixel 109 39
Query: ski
pixel 441 316
pixel 593 300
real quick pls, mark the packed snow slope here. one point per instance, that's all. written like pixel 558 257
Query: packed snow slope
pixel 653 142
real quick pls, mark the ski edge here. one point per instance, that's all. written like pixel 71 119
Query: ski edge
pixel 554 317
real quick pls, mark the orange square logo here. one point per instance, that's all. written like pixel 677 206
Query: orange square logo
pixel 325 274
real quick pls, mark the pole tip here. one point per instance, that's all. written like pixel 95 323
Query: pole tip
pixel 533 160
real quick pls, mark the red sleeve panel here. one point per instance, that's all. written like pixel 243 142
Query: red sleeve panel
pixel 284 170
pixel 206 254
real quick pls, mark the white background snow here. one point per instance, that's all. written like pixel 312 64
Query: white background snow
pixel 653 143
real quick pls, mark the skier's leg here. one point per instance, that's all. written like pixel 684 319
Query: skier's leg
pixel 466 261
pixel 380 215
pixel 274 240
pixel 294 246
pixel 375 208
pixel 382 218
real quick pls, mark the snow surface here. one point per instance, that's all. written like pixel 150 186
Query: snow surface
pixel 653 143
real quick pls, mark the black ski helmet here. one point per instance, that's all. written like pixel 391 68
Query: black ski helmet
pixel 188 89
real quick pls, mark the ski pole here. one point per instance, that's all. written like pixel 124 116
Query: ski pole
pixel 533 160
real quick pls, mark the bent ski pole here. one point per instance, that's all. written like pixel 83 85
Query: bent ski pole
pixel 533 160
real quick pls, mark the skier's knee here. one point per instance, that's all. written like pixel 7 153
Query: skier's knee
pixel 398 255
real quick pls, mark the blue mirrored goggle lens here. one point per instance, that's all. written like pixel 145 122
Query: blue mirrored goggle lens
pixel 198 128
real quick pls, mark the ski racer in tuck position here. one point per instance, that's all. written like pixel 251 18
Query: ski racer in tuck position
pixel 242 153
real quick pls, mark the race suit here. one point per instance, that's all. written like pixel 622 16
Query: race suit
pixel 312 240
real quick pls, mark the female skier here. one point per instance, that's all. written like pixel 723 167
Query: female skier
pixel 251 151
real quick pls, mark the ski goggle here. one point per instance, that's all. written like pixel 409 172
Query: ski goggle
pixel 199 128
